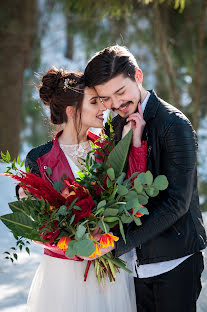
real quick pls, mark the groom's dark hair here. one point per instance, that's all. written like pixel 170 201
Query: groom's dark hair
pixel 109 63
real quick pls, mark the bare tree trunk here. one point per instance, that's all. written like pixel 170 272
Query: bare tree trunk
pixel 17 27
pixel 198 67
pixel 161 39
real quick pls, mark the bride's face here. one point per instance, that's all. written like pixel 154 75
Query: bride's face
pixel 92 110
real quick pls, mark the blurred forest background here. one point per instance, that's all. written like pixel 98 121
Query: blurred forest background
pixel 167 37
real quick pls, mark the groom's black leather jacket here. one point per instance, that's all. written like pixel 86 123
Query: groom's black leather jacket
pixel 174 226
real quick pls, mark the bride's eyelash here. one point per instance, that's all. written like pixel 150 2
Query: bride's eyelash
pixel 121 93
pixel 94 102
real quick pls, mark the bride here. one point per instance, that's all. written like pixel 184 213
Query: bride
pixel 58 284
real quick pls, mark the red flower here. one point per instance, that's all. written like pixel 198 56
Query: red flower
pixel 50 235
pixel 84 201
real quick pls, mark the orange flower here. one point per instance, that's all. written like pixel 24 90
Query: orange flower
pixel 63 243
pixel 97 251
pixel 138 214
pixel 107 240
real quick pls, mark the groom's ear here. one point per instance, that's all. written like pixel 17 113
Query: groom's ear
pixel 138 75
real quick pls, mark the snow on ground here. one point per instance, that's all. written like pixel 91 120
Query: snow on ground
pixel 15 279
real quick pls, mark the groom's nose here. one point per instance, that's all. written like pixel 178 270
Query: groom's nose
pixel 115 103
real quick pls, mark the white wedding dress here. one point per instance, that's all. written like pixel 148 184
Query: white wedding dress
pixel 58 286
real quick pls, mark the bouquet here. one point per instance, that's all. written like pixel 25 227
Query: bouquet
pixel 64 215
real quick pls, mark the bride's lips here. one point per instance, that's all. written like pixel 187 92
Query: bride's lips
pixel 100 117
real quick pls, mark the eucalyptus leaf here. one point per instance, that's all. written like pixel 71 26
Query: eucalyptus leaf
pixel 149 178
pixel 121 178
pixel 137 221
pixel 84 248
pixel 138 186
pixel 80 231
pixel 142 199
pixel 110 212
pixel 122 190
pixel 131 195
pixel 126 218
pixel 101 204
pixel 142 178
pixel 143 210
pixel 160 182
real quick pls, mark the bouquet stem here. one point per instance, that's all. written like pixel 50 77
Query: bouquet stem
pixel 87 269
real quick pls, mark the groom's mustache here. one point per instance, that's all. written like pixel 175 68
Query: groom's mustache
pixel 122 105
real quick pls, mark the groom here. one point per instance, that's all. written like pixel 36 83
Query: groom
pixel 168 258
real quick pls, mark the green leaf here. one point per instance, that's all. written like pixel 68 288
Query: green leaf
pixel 71 251
pixel 126 218
pixel 81 175
pixel 18 160
pixel 131 195
pixel 142 178
pixel 72 219
pixel 101 204
pixel 27 250
pixel 160 182
pixel 17 206
pixel 109 183
pixel 8 156
pixel 121 178
pixel 143 210
pixel 149 190
pixel 137 221
pixel 77 207
pixel 121 228
pixel 111 219
pixel 142 199
pixel 132 204
pixel 15 256
pixel 22 163
pixel 62 211
pixel 122 190
pixel 138 186
pixel 155 192
pixel 149 178
pixel 20 225
pixel 110 212
pixel 49 171
pixel 104 226
pixel 80 231
pixel 58 186
pixel 84 248
pixel 111 174
pixel 118 155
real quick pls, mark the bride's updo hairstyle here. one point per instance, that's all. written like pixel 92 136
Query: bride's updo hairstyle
pixel 59 89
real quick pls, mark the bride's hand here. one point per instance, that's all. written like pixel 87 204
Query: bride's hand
pixel 137 123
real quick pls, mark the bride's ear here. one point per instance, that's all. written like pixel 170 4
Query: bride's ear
pixel 138 76
pixel 70 111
